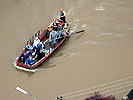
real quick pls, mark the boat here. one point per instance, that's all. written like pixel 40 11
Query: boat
pixel 42 36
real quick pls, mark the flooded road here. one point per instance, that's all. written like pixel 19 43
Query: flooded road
pixel 102 54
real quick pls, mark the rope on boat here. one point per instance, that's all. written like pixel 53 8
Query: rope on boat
pixel 131 83
pixel 98 86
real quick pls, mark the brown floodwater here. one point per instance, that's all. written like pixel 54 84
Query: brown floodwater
pixel 102 54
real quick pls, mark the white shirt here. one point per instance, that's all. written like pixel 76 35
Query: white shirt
pixel 36 42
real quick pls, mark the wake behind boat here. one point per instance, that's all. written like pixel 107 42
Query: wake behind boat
pixel 43 44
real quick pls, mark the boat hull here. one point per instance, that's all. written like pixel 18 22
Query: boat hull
pixel 42 36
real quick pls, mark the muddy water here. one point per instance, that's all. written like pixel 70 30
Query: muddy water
pixel 103 53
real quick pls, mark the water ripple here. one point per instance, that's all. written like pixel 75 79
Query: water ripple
pixel 91 42
pixel 128 26
pixel 109 34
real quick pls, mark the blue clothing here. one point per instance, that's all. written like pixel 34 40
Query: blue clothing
pixel 23 57
pixel 26 57
pixel 34 47
pixel 29 62
pixel 61 99
pixel 50 50
pixel 59 34
pixel 29 49
pixel 53 36
pixel 39 45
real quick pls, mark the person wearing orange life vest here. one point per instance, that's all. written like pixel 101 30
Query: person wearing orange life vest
pixel 61 24
pixel 50 26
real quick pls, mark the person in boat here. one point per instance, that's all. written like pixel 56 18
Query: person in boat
pixel 36 42
pixel 55 26
pixel 60 27
pixel 48 32
pixel 40 55
pixel 52 38
pixel 59 34
pixel 23 57
pixel 39 45
pixel 36 51
pixel 43 45
pixel 58 24
pixel 29 49
pixel 50 26
pixel 62 24
pixel 30 61
pixel 62 15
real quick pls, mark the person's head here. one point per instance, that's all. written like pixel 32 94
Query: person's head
pixel 36 38
pixel 53 31
pixel 40 51
pixel 61 9
pixel 29 44
pixel 30 57
pixel 24 53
